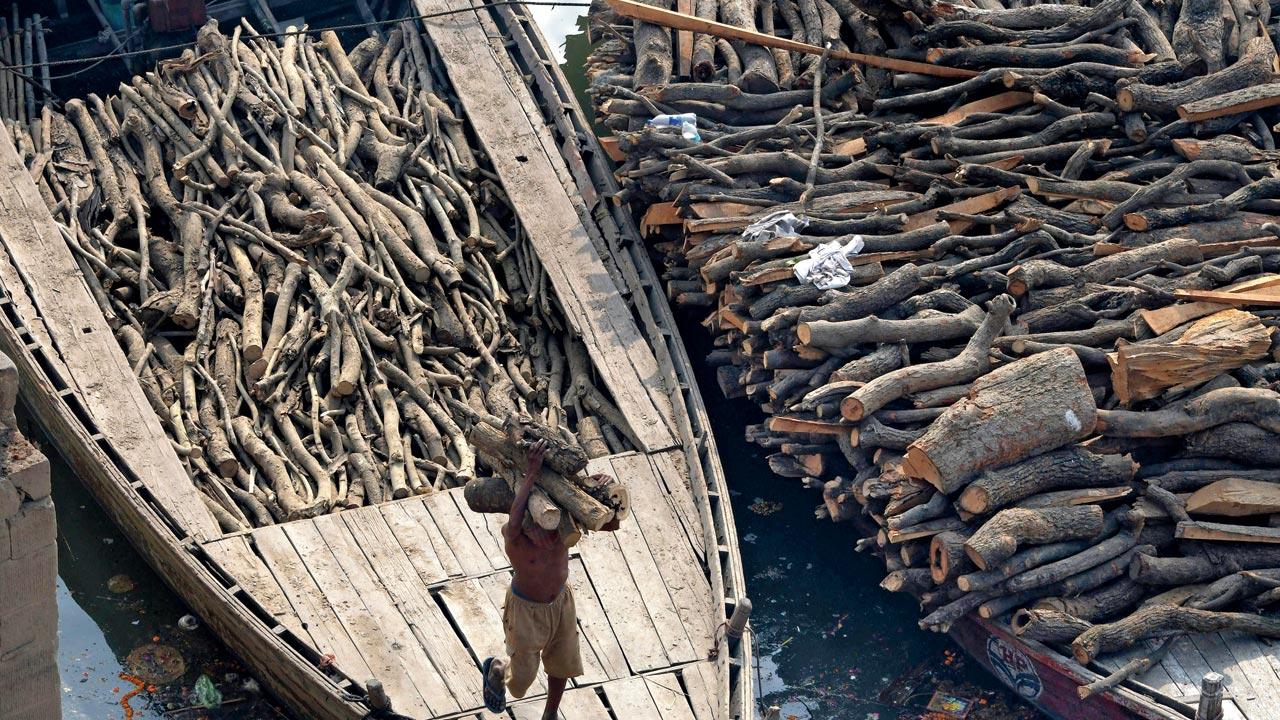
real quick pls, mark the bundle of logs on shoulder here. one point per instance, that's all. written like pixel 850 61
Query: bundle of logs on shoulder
pixel 564 499
pixel 1050 382
pixel 319 284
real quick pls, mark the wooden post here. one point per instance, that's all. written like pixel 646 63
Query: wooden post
pixel 378 699
pixel 1210 697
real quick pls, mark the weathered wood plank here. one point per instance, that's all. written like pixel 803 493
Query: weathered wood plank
pixel 429 626
pixel 307 598
pixel 607 569
pixel 77 331
pixel 474 611
pixel 610 663
pixel 591 301
pixel 493 545
pixel 653 515
pixel 371 618
pixel 671 469
pixel 630 699
pixel 669 697
pixel 457 533
pixel 701 680
pixel 422 542
pixel 238 560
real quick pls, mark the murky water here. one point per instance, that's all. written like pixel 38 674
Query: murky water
pixel 831 644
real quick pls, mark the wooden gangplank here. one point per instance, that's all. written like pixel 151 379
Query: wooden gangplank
pixel 495 99
pixel 411 592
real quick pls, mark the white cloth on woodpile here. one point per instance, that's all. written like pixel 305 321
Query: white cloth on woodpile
pixel 827 266
pixel 780 223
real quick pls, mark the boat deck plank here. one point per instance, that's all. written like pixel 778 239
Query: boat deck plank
pixel 423 544
pixel 426 622
pixel 309 602
pixel 700 681
pixel 655 594
pixel 669 467
pixel 654 525
pixel 432 575
pixel 607 661
pixel 369 613
pixel 495 97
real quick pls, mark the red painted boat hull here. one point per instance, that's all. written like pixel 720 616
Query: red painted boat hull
pixel 1048 680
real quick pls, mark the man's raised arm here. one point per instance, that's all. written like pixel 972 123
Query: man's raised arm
pixel 532 469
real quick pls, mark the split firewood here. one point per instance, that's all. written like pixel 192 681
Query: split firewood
pixel 1109 168
pixel 319 293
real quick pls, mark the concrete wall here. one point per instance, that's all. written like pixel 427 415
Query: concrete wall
pixel 29 684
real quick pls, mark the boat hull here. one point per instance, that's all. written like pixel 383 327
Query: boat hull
pixel 1046 679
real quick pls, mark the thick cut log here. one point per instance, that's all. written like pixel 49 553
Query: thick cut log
pixel 499 452
pixel 1235 497
pixel 909 580
pixel 1189 570
pixel 759 73
pixel 1253 68
pixel 1045 273
pixel 1159 620
pixel 1046 625
pixel 863 301
pixel 1244 443
pixel 929 329
pixel 1068 566
pixel 1244 100
pixel 1027 407
pixel 1209 347
pixel 947 558
pixel 1100 604
pixel 652 45
pixel 1216 407
pixel 566 458
pixel 1069 467
pixel 495 495
pixel 1000 537
pixel 969 364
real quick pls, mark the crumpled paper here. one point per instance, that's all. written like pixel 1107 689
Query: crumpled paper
pixel 827 266
pixel 776 224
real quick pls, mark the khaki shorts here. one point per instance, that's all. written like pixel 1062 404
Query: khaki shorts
pixel 540 630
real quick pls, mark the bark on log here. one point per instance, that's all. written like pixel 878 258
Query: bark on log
pixel 1069 467
pixel 1027 407
pixel 1048 626
pixel 1158 620
pixel 497 450
pixel 1000 537
pixel 969 364
pixel 1253 68
pixel 1217 407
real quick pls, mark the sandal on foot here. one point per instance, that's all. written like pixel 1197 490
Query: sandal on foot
pixel 495 699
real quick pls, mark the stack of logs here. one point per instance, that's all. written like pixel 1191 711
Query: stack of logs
pixel 317 281
pixel 1051 378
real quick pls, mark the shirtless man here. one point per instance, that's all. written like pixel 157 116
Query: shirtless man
pixel 539 618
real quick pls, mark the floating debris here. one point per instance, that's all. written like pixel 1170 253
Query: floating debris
pixel 121 584
pixel 188 622
pixel 765 507
pixel 156 664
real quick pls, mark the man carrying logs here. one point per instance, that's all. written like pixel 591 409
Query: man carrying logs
pixel 538 618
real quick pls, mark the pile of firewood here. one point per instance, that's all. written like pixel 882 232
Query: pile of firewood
pixel 320 286
pixel 1051 377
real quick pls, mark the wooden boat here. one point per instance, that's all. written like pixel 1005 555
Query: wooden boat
pixel 409 593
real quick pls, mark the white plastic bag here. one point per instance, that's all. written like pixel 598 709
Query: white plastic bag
pixel 827 266
pixel 687 122
pixel 776 224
